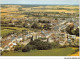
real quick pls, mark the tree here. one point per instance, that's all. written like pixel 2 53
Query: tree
pixel 27 48
pixel 72 31
pixel 77 32
pixel 18 47
pixel 47 26
pixel 34 25
pixel 68 29
pixel 40 45
pixel 55 45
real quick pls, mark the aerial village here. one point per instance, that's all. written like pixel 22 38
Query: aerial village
pixel 22 27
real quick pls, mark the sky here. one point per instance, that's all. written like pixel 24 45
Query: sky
pixel 51 2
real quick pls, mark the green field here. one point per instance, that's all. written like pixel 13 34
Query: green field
pixel 5 32
pixel 16 28
pixel 53 52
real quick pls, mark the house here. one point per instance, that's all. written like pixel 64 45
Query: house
pixel 61 43
pixel 69 40
pixel 1 49
pixel 19 39
pixel 6 48
pixel 71 36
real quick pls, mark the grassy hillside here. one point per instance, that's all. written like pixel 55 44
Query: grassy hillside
pixel 53 52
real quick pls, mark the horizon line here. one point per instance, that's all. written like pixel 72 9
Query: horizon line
pixel 39 4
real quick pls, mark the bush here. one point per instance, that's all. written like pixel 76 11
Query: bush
pixel 71 31
pixel 77 32
pixel 37 44
pixel 27 48
pixel 76 50
pixel 6 51
pixel 55 45
pixel 40 45
pixel 63 46
pixel 35 25
pixel 44 46
pixel 18 47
